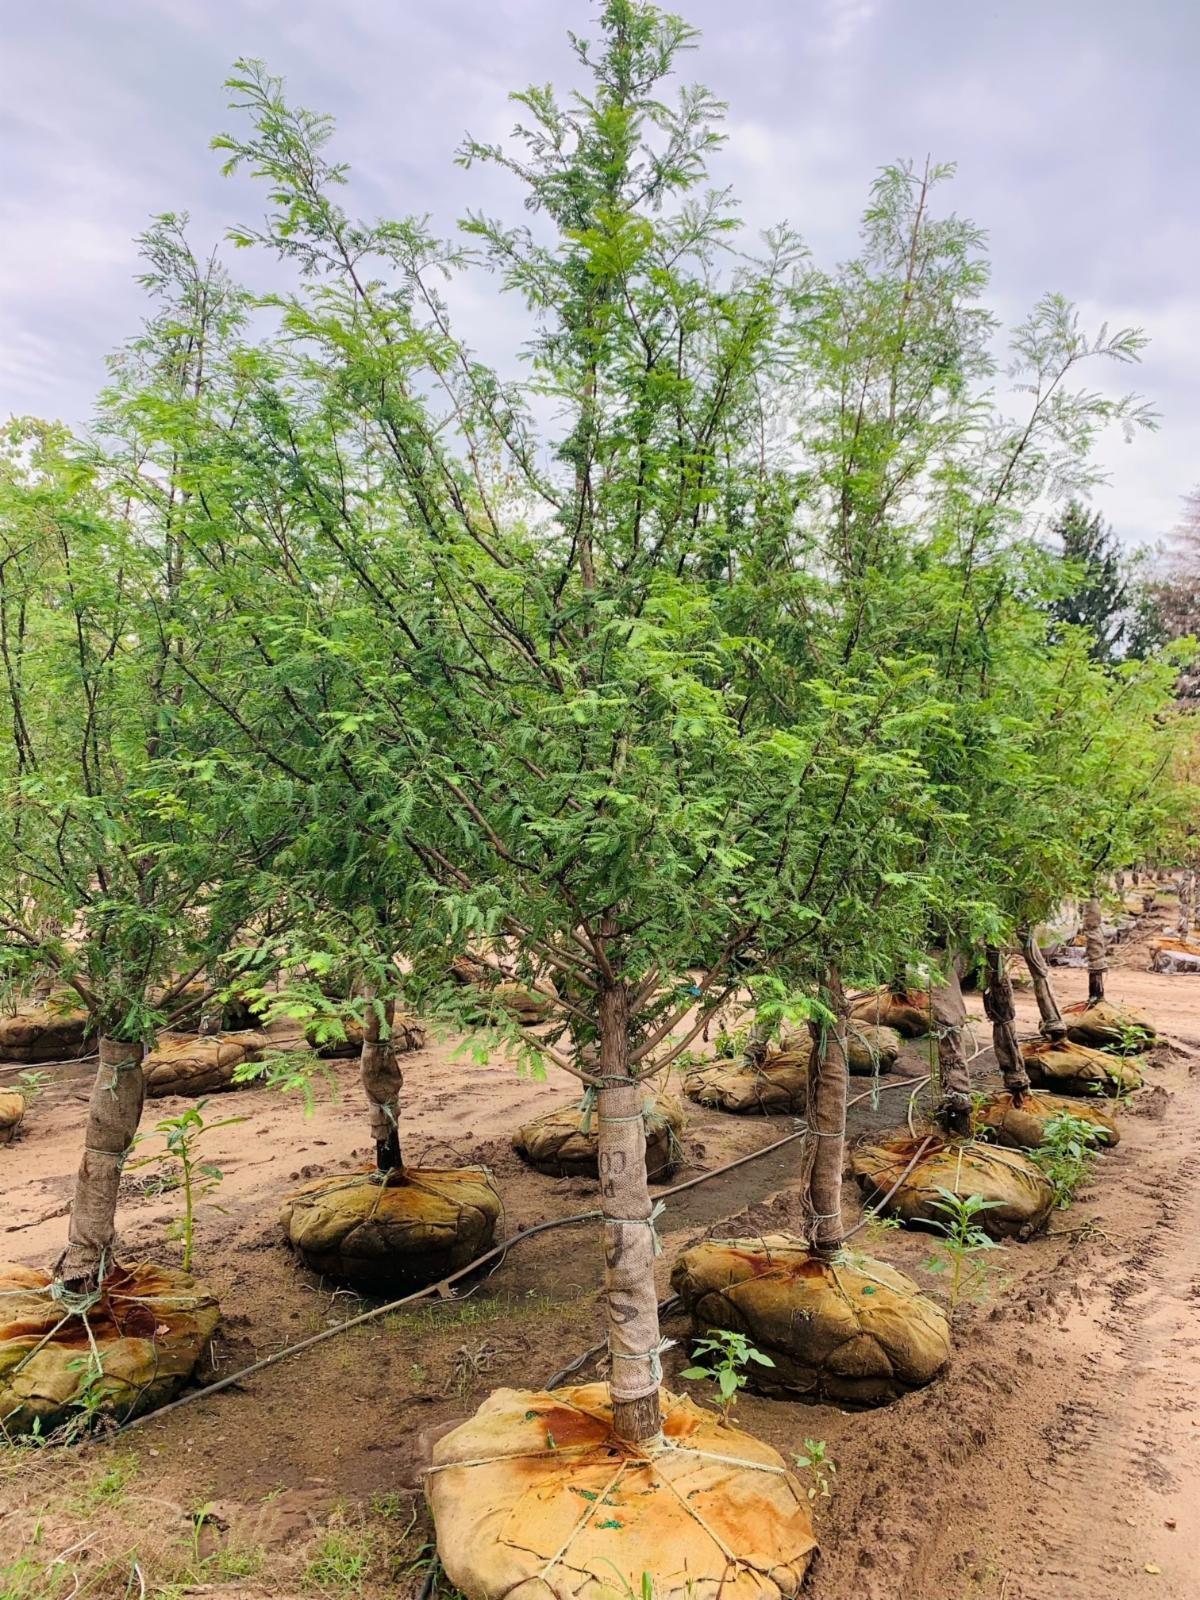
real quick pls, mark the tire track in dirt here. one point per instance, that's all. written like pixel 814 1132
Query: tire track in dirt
pixel 1125 1455
pixel 1048 1462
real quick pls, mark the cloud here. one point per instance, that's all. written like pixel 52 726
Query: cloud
pixel 1075 127
pixel 841 24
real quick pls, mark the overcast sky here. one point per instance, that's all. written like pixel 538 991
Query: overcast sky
pixel 1075 124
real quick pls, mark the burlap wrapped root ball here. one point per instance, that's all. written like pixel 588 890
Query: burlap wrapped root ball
pixel 1071 1068
pixel 529 1003
pixel 1023 1194
pixel 1104 1025
pixel 147 1333
pixel 406 1036
pixel 779 1084
pixel 193 1063
pixel 907 1013
pixel 565 1142
pixel 12 1112
pixel 1023 1127
pixel 45 1033
pixel 534 1498
pixel 1174 956
pixel 400 1231
pixel 871 1049
pixel 854 1331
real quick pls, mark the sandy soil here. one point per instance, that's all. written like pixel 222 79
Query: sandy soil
pixel 1058 1458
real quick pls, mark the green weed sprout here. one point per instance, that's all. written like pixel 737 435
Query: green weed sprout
pixel 31 1084
pixel 820 1466
pixel 1132 1039
pixel 1067 1154
pixel 197 1178
pixel 963 1243
pixel 729 1354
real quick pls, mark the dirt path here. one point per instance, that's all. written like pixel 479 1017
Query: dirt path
pixel 1058 1459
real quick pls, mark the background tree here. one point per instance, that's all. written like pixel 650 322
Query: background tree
pixel 1100 592
pixel 915 496
pixel 1169 607
pixel 125 855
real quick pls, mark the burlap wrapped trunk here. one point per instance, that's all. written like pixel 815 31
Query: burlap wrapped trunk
pixel 535 1498
pixel 45 1033
pixel 148 1331
pixel 1023 1194
pixel 907 1013
pixel 12 1111
pixel 193 1064
pixel 1078 1069
pixel 1105 1024
pixel 779 1085
pixel 402 1232
pixel 852 1330
pixel 564 1143
pixel 1023 1127
pixel 406 1036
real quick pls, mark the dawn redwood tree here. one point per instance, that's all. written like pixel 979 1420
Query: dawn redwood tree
pixel 599 762
pixel 125 857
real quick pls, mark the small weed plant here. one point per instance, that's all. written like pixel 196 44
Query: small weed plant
pixel 109 1486
pixel 961 1251
pixel 727 1356
pixel 1067 1154
pixel 181 1160
pixel 1113 1092
pixel 340 1561
pixel 731 1043
pixel 30 1085
pixel 818 1466
pixel 1132 1039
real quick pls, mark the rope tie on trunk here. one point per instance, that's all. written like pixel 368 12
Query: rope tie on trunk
pixel 646 1222
pixel 653 1356
pixel 590 1103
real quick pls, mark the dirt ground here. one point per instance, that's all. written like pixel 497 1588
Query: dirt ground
pixel 1057 1459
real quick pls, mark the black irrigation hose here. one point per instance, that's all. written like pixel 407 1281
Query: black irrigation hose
pixel 440 1288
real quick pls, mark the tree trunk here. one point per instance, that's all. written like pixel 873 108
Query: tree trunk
pixel 1053 1026
pixel 1002 1014
pixel 383 1081
pixel 758 1043
pixel 949 1014
pixel 1097 963
pixel 825 1142
pixel 629 1238
pixel 1187 891
pixel 113 1116
pixel 211 1007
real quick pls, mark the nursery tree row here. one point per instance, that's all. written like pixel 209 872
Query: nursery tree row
pixel 708 647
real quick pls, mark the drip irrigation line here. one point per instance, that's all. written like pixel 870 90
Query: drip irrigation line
pixel 441 1289
pixel 38 1066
